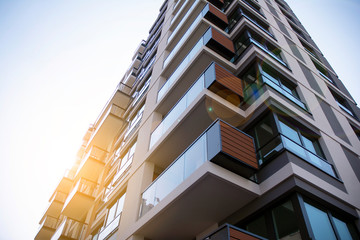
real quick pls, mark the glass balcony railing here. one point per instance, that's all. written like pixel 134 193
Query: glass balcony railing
pixel 134 123
pixel 70 229
pixel 109 228
pixel 215 145
pixel 49 222
pixel 325 76
pixel 141 92
pixel 83 186
pixel 174 175
pixel 179 12
pixel 171 80
pixel 253 6
pixel 281 142
pixel 239 15
pixel 245 43
pixel 183 39
pixel 58 196
pixel 177 110
pixel 270 81
pixel 181 23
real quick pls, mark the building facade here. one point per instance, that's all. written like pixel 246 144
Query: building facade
pixel 228 124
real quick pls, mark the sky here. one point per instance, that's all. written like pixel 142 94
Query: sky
pixel 61 60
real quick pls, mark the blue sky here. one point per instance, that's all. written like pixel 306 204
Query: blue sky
pixel 61 60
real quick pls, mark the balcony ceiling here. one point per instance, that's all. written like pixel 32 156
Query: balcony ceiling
pixel 207 197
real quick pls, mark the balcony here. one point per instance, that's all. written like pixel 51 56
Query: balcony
pixel 209 12
pixel 56 204
pixel 281 143
pixel 92 164
pixel 222 157
pixel 80 199
pixel 66 182
pixel 70 229
pixel 131 76
pixel 216 79
pixel 217 3
pixel 112 120
pixel 229 232
pixel 212 39
pixel 47 228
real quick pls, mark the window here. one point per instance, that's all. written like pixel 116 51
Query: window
pixel 248 37
pixel 309 49
pixel 273 134
pixel 327 227
pixel 343 104
pixel 134 121
pixel 279 222
pixel 323 72
pixel 297 30
pixel 295 219
pixel 262 73
pixel 240 12
pixel 281 4
pixel 288 16
pixel 254 6
pixel 112 218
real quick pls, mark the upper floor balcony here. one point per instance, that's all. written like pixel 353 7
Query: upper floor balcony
pixel 92 164
pixel 80 199
pixel 208 12
pixel 222 157
pixel 55 206
pixel 212 39
pixel 216 79
pixel 109 126
pixel 70 229
pixel 47 228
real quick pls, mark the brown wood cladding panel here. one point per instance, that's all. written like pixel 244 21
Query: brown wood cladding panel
pixel 234 234
pixel 244 138
pixel 238 145
pixel 223 40
pixel 218 13
pixel 228 80
pixel 240 156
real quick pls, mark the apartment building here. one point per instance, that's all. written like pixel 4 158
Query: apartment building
pixel 228 124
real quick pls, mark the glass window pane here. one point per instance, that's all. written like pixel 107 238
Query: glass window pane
pixel 289 132
pixel 342 229
pixel 120 204
pixel 111 214
pixel 285 222
pixel 258 226
pixel 194 156
pixel 320 223
pixel 265 131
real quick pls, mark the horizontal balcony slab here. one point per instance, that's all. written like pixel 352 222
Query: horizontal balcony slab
pixel 92 164
pixel 206 108
pixel 194 206
pixel 194 69
pixel 80 200
pixel 47 228
pixel 108 128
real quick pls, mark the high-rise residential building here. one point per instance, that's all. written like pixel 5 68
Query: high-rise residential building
pixel 228 124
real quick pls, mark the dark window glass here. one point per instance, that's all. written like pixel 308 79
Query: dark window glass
pixel 258 226
pixel 285 223
pixel 320 223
